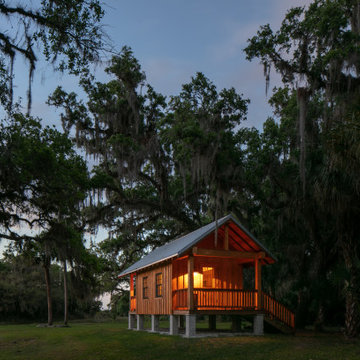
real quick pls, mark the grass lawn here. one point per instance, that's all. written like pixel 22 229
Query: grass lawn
pixel 112 340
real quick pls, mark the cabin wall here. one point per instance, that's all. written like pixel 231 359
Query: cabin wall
pixel 179 274
pixel 154 305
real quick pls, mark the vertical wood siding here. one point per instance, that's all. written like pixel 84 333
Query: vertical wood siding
pixel 154 305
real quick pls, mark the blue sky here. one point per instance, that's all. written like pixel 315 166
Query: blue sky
pixel 173 40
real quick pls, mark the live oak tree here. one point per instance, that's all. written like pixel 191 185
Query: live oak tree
pixel 35 180
pixel 316 51
pixel 67 33
pixel 293 227
pixel 65 239
pixel 164 167
pixel 43 184
pixel 22 289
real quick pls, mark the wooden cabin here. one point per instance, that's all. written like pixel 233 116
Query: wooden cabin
pixel 201 273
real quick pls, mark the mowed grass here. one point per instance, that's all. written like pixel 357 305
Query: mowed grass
pixel 112 340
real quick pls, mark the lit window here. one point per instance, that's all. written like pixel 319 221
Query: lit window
pixel 208 276
pixel 145 288
pixel 198 280
pixel 158 281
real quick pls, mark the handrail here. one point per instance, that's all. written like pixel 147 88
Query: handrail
pixel 278 311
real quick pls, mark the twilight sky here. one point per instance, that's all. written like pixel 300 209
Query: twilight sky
pixel 173 40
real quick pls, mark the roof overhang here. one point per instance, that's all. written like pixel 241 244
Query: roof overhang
pixel 183 244
pixel 126 272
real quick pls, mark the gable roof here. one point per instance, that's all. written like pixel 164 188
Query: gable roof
pixel 180 245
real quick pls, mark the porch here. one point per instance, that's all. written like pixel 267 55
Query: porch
pixel 212 282
pixel 232 301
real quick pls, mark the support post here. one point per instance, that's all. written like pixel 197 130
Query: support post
pixel 181 321
pixel 131 285
pixel 190 328
pixel 131 321
pixel 258 324
pixel 258 283
pixel 174 325
pixel 190 294
pixel 155 323
pixel 140 322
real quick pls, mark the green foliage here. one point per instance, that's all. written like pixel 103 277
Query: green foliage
pixel 68 33
pixel 71 28
pixel 40 175
pixel 23 295
pixel 316 51
pixel 43 183
pixel 314 44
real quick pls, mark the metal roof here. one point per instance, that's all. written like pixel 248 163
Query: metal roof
pixel 180 245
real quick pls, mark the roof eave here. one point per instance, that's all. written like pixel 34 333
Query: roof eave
pixel 146 266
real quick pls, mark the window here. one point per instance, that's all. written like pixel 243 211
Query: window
pixel 158 282
pixel 134 284
pixel 145 288
pixel 208 275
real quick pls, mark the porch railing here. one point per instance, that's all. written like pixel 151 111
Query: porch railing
pixel 180 299
pixel 217 299
pixel 277 311
pixel 234 299
pixel 225 299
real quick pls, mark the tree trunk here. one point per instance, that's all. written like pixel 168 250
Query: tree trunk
pixel 48 290
pixel 302 309
pixel 66 315
pixel 351 314
pixel 301 95
pixel 352 289
pixel 319 321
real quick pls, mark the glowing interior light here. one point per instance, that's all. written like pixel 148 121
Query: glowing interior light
pixel 198 279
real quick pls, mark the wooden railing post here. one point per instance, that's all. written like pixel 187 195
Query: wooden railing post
pixel 190 295
pixel 258 282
